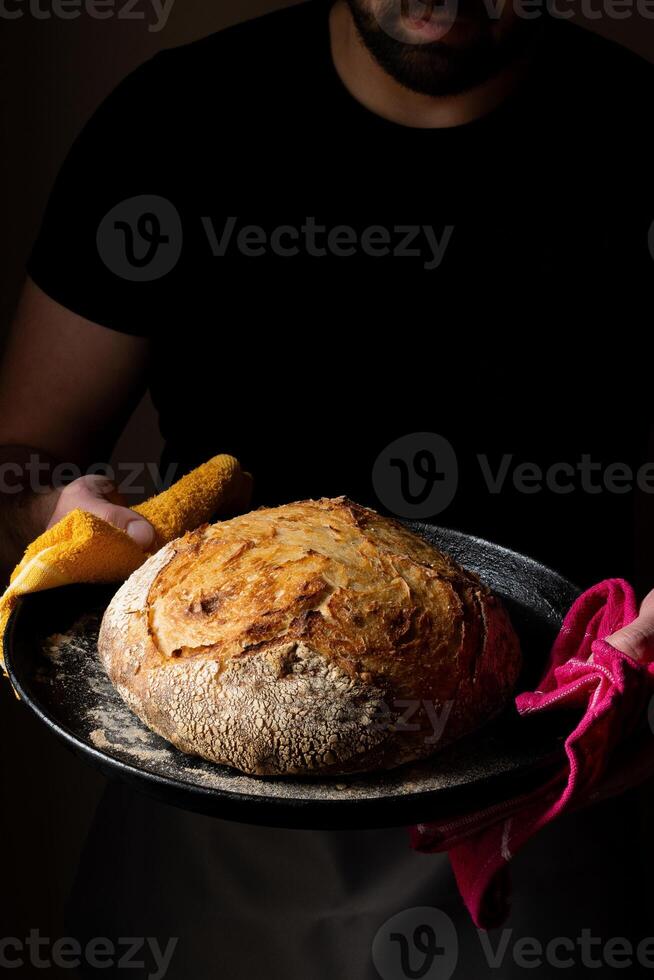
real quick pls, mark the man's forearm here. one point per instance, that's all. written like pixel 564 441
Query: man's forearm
pixel 27 500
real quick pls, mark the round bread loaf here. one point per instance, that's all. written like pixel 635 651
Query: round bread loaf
pixel 313 638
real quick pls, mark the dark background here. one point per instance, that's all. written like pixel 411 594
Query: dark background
pixel 54 73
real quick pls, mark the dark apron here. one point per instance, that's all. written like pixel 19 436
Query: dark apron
pixel 248 902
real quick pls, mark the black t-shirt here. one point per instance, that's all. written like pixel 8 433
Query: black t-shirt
pixel 317 281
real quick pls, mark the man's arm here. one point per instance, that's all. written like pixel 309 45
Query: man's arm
pixel 67 388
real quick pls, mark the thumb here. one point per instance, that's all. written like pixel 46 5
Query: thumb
pixel 97 495
pixel 133 524
pixel 637 639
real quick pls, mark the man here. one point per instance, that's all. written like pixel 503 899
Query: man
pixel 310 236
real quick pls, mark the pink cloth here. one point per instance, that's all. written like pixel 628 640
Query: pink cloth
pixel 612 692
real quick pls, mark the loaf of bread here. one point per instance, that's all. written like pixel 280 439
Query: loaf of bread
pixel 310 639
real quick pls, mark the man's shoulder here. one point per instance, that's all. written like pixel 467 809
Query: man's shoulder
pixel 249 43
pixel 596 60
pixel 248 66
pixel 604 90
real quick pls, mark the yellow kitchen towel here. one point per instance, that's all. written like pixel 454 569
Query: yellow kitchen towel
pixel 84 548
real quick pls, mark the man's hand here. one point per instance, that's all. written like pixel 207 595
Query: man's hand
pixel 637 639
pixel 97 495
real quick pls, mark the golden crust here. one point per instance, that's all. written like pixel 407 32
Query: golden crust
pixel 317 637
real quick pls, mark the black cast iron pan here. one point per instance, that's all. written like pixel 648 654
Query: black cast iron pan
pixel 51 657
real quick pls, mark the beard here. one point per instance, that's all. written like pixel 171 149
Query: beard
pixel 474 47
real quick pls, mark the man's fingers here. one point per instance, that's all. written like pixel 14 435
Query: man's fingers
pixel 99 486
pixel 637 639
pixel 98 495
pixel 137 527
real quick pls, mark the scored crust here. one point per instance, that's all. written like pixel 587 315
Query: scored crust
pixel 317 637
